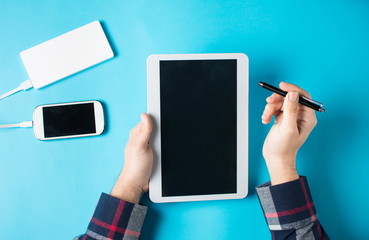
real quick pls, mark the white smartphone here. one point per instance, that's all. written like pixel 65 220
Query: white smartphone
pixel 68 120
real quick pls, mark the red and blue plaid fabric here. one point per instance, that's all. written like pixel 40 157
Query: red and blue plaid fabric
pixel 290 211
pixel 115 219
pixel 288 208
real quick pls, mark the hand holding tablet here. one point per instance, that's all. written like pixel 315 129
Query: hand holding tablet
pixel 199 105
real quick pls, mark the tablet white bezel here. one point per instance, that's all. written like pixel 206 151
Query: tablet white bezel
pixel 153 98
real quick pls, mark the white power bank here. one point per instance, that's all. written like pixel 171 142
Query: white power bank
pixel 66 54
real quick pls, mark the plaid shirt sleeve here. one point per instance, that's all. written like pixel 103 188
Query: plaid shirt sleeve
pixel 115 219
pixel 289 211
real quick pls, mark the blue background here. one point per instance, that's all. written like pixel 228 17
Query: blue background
pixel 50 189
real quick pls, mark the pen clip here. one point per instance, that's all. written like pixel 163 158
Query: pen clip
pixel 312 101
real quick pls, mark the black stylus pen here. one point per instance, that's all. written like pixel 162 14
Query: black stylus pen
pixel 317 106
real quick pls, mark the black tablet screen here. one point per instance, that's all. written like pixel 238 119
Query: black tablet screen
pixel 198 104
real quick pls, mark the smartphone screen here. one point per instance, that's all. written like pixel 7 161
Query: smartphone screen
pixel 66 120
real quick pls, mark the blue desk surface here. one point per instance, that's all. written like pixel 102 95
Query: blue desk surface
pixel 50 189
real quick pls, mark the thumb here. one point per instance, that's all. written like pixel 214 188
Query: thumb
pixel 290 110
pixel 146 129
pixel 140 134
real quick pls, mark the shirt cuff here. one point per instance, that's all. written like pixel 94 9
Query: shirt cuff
pixel 116 219
pixel 288 205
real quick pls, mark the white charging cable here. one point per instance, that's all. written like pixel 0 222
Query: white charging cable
pixel 22 87
pixel 15 125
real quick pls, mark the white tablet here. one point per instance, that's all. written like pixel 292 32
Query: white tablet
pixel 199 105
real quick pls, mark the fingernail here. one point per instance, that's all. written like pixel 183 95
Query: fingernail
pixel 293 96
pixel 142 117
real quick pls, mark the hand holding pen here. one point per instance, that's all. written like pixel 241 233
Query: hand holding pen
pixel 292 125
pixel 302 99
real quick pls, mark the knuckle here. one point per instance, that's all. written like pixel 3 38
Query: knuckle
pixel 292 108
pixel 133 132
pixel 314 122
pixel 129 144
pixel 146 133
pixel 268 108
pixel 131 147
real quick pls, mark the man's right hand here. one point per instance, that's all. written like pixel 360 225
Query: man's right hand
pixel 293 124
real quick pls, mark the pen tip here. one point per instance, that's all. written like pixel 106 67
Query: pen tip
pixel 261 84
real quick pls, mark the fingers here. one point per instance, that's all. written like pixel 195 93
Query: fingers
pixel 290 111
pixel 270 110
pixel 276 105
pixel 288 87
pixel 289 105
pixel 308 113
pixel 275 98
pixel 140 134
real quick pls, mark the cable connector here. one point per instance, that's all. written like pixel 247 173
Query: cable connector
pixel 26 124
pixel 15 125
pixel 22 87
pixel 26 85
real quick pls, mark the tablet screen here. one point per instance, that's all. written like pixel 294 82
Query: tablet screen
pixel 198 108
